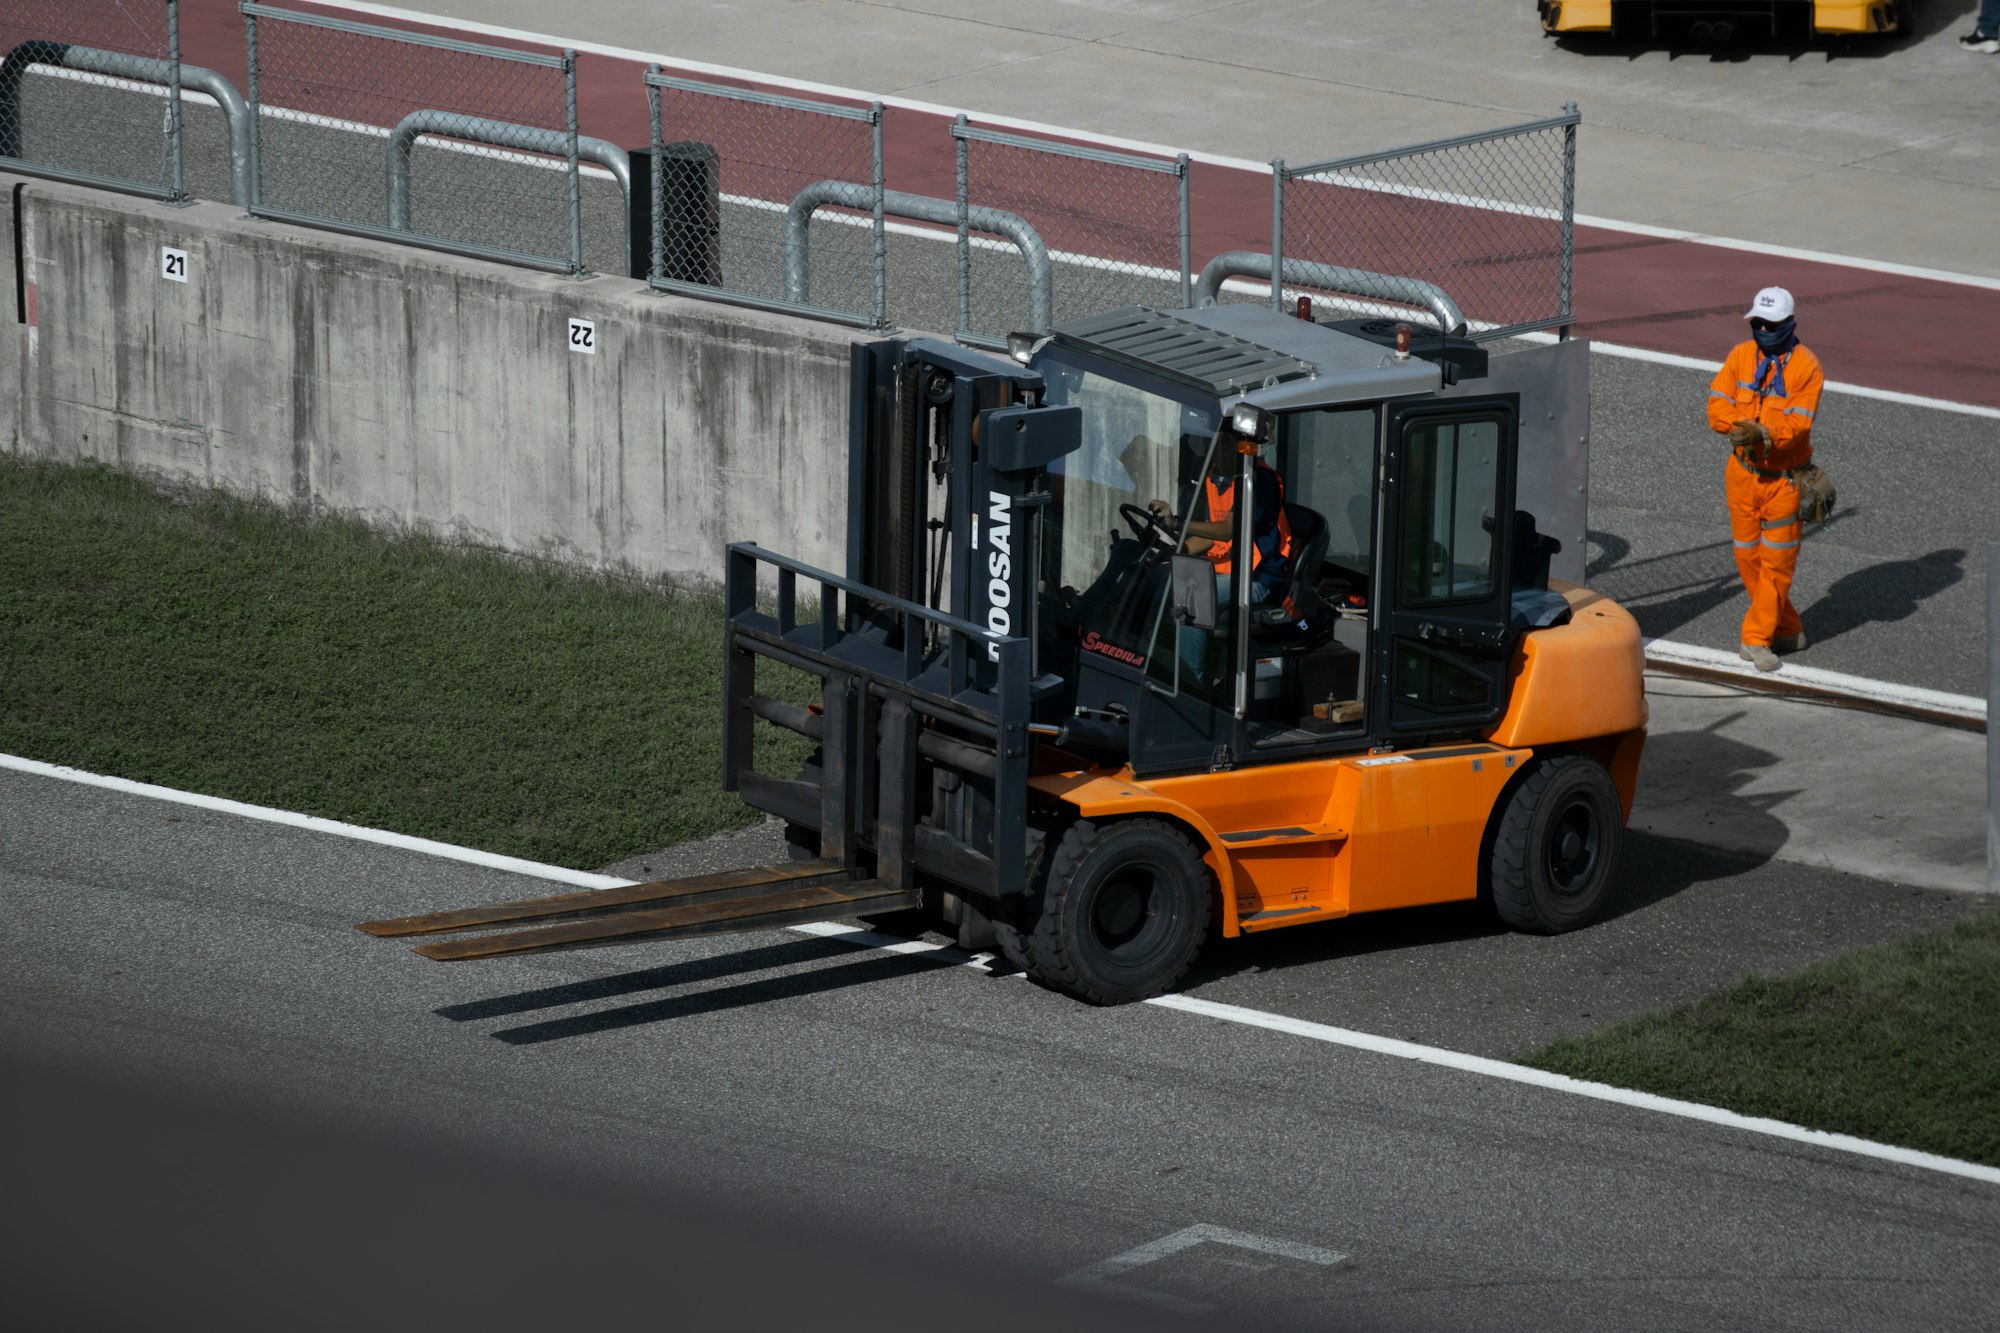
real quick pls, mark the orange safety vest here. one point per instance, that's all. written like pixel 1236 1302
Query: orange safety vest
pixel 1735 396
pixel 1220 505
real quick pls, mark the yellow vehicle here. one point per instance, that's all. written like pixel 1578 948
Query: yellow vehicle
pixel 1723 20
pixel 1053 719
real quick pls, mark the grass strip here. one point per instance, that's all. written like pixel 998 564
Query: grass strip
pixel 1899 1043
pixel 241 649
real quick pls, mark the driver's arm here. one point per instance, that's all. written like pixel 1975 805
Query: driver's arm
pixel 1199 533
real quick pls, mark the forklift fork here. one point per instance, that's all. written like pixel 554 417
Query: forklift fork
pixel 765 897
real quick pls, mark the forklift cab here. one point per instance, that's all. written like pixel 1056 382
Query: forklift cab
pixel 1378 606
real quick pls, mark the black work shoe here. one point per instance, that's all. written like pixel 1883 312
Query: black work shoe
pixel 1986 43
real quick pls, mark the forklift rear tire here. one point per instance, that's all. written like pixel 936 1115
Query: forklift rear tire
pixel 1556 845
pixel 1124 910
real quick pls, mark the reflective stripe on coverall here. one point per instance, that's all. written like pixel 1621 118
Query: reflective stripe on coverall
pixel 1764 511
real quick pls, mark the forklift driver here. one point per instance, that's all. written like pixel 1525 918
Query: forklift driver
pixel 1208 535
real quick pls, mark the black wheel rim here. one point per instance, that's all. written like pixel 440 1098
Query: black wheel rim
pixel 1125 922
pixel 1575 846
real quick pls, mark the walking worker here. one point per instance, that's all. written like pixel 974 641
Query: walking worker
pixel 1763 399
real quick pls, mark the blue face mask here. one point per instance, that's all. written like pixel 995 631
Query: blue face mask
pixel 1774 340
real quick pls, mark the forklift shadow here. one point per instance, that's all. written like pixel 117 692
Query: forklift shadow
pixel 1692 787
pixel 789 954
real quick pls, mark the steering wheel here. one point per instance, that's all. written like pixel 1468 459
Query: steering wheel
pixel 1148 526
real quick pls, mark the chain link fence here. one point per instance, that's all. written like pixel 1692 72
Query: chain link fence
pixel 90 91
pixel 765 198
pixel 419 138
pixel 1114 226
pixel 769 200
pixel 1487 217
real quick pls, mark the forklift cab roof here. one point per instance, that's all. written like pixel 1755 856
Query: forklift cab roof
pixel 1249 353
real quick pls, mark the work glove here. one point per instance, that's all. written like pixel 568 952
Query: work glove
pixel 1751 440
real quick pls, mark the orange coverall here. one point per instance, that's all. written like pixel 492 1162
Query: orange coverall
pixel 1764 503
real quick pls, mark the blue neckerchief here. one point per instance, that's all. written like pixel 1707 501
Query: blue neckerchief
pixel 1773 360
pixel 1776 365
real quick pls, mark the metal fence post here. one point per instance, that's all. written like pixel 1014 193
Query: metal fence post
pixel 1278 234
pixel 174 144
pixel 256 115
pixel 1187 239
pixel 1568 215
pixel 964 235
pixel 657 267
pixel 1992 712
pixel 575 168
pixel 881 226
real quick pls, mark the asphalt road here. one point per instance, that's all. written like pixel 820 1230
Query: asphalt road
pixel 946 1115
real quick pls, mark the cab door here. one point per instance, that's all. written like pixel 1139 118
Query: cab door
pixel 1443 640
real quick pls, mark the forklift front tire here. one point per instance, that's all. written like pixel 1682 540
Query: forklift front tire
pixel 1557 845
pixel 1125 908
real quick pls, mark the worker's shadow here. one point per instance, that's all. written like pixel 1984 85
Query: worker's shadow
pixel 1652 866
pixel 1892 590
pixel 791 954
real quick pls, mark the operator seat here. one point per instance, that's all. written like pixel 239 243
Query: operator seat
pixel 1275 623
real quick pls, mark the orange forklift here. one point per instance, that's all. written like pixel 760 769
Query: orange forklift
pixel 1049 724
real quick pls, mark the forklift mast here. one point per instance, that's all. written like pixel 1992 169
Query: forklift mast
pixel 925 652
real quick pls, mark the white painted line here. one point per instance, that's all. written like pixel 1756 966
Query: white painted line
pixel 1106 1276
pixel 1512 1073
pixel 1834 682
pixel 1792 252
pixel 1105 140
pixel 1229 1013
pixel 121 84
pixel 1831 386
pixel 314 824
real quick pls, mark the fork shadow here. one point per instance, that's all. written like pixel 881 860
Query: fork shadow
pixel 866 971
pixel 863 971
pixel 788 954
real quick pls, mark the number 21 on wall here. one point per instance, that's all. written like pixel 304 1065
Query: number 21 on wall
pixel 173 264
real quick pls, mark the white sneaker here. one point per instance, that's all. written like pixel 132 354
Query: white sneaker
pixel 1985 44
pixel 1789 643
pixel 1758 655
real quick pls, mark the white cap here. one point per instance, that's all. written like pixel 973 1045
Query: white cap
pixel 1773 303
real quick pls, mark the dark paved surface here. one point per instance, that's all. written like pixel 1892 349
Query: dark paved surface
pixel 930 1106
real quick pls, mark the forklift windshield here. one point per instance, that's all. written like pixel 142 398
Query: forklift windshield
pixel 1105 553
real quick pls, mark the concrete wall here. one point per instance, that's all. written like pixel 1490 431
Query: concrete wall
pixel 419 389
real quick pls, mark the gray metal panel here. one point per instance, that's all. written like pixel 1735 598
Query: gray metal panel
pixel 1218 361
pixel 1553 481
pixel 1388 379
pixel 1273 360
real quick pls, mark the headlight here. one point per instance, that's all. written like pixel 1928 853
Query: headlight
pixel 1250 421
